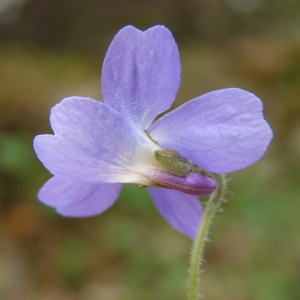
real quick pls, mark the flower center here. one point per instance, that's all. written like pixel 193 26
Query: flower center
pixel 166 168
pixel 180 174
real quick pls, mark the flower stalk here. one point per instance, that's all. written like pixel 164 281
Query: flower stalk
pixel 212 206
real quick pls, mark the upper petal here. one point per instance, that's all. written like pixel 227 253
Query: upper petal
pixel 182 211
pixel 75 199
pixel 141 73
pixel 92 142
pixel 221 131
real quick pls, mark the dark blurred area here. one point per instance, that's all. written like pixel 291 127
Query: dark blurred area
pixel 51 49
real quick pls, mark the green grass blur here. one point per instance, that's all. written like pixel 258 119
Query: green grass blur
pixel 129 252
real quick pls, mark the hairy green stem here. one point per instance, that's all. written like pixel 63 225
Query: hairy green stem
pixel 212 206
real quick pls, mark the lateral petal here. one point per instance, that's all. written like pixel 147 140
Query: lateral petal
pixel 78 199
pixel 221 131
pixel 92 143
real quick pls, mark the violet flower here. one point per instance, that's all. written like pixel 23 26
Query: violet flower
pixel 97 146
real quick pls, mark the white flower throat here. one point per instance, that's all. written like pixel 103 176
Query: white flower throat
pixel 160 167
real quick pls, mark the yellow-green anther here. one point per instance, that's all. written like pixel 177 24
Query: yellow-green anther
pixel 172 162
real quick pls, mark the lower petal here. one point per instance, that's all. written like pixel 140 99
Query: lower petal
pixel 193 183
pixel 183 212
pixel 78 199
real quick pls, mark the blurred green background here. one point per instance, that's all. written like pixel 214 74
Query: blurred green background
pixel 51 49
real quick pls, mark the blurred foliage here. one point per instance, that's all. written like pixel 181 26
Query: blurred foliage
pixel 53 49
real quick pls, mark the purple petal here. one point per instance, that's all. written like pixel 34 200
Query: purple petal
pixel 95 128
pixel 183 212
pixel 92 142
pixel 221 131
pixel 192 184
pixel 141 73
pixel 78 199
pixel 67 161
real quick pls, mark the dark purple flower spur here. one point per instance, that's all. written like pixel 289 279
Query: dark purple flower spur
pixel 97 146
